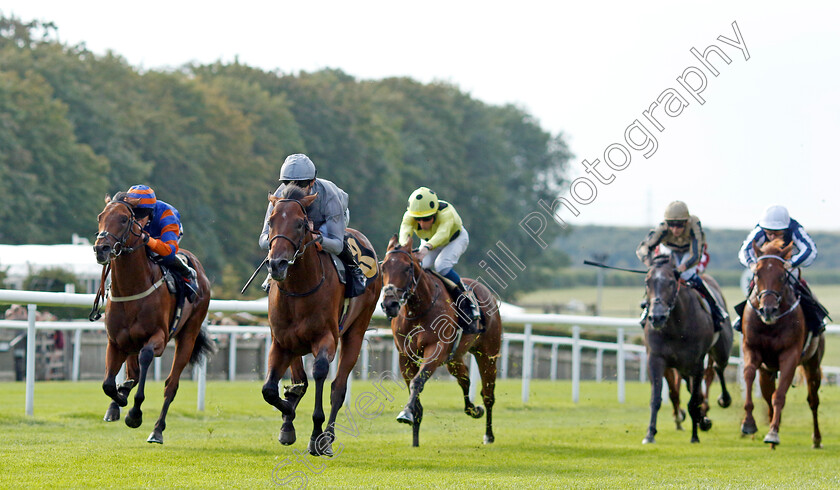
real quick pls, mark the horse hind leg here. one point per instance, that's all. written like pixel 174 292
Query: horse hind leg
pixel 813 377
pixel 351 345
pixel 184 347
pixel 320 371
pixel 459 370
pixel 694 405
pixel 487 368
pixel 708 377
pixel 673 379
pixel 293 394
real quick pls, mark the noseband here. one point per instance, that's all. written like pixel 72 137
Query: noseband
pixel 120 242
pixel 300 247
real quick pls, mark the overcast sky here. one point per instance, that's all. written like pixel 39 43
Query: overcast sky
pixel 589 69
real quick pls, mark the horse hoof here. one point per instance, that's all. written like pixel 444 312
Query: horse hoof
pixel 405 417
pixel 287 437
pixel 772 437
pixel 817 445
pixel 695 440
pixel 318 447
pixel 748 429
pixel 705 424
pixel 112 415
pixel 648 440
pixel 155 437
pixel 724 401
pixel 475 412
pixel 681 418
pixel 489 439
pixel 134 420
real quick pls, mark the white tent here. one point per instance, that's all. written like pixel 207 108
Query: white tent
pixel 20 261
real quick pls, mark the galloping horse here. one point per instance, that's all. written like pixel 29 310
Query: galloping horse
pixel 305 306
pixel 774 341
pixel 139 315
pixel 679 334
pixel 424 324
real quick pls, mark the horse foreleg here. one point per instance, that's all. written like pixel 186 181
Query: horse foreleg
pixel 767 384
pixel 751 363
pixel 135 416
pixel 695 403
pixel 293 394
pixel 459 370
pixel 787 368
pixel 656 368
pixel 278 362
pixel 487 368
pixel 114 359
pixel 409 369
pixel 319 446
pixel 433 356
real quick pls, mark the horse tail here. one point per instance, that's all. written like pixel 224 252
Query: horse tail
pixel 202 348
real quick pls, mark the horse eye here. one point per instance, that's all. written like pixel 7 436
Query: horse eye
pixel 123 219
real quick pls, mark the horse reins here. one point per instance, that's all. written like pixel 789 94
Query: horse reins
pixel 300 249
pixel 408 293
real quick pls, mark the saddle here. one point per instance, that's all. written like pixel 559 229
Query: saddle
pixel 454 294
pixel 364 256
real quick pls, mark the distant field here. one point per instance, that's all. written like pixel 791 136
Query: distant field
pixel 548 443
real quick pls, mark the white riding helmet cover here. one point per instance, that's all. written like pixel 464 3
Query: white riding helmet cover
pixel 775 218
pixel 297 167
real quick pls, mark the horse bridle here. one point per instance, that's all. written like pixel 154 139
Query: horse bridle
pixel 673 304
pixel 300 247
pixel 778 294
pixel 123 239
pixel 407 292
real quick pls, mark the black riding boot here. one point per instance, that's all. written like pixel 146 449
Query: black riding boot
pixel 815 313
pixel 187 274
pixel 355 278
pixel 469 308
pixel 718 314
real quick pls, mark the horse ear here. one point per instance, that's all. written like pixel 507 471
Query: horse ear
pixel 107 198
pixel 787 251
pixel 756 249
pixel 133 201
pixel 273 199
pixel 393 242
pixel 308 200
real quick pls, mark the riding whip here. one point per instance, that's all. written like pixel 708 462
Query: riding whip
pixel 604 266
pixel 259 268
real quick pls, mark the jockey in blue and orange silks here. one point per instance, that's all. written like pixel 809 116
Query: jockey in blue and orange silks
pixel 162 230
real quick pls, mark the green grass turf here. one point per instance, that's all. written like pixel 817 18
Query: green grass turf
pixel 549 442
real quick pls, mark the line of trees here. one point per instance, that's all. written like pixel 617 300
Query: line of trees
pixel 75 126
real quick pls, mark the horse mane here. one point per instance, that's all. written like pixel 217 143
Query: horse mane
pixel 291 191
pixel 120 196
pixel 773 247
pixel 661 260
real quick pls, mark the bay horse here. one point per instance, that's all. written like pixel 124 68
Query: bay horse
pixel 139 315
pixel 425 323
pixel 678 335
pixel 305 304
pixel 774 341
